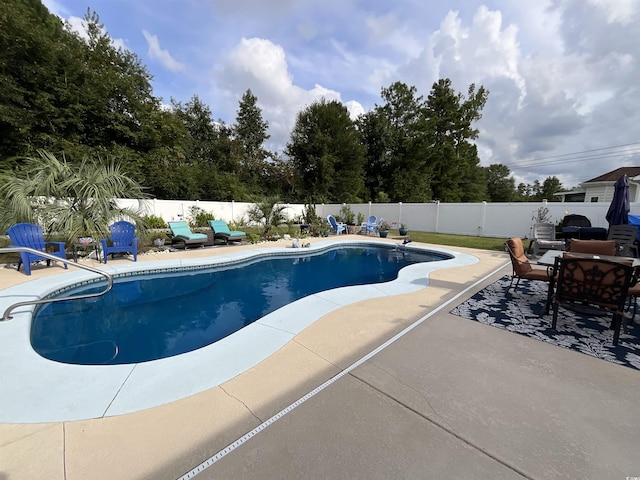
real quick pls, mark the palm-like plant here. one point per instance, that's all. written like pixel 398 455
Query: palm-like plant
pixel 70 199
pixel 268 213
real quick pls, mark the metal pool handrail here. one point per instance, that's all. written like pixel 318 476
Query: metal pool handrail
pixel 108 276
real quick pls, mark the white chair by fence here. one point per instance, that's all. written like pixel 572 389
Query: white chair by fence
pixel 544 238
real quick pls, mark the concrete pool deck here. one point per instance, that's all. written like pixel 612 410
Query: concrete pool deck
pixel 451 398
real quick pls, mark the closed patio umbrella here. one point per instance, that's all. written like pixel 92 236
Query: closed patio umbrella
pixel 618 213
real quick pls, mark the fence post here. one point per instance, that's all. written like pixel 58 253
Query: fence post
pixel 483 219
pixel 399 214
pixel 437 215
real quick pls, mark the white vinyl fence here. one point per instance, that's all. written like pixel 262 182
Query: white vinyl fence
pixel 476 219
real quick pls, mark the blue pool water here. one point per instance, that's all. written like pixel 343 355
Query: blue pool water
pixel 147 317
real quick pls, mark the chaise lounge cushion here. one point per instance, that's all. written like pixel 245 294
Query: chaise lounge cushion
pixel 222 231
pixel 182 234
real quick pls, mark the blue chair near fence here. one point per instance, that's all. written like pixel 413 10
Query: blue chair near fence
pixel 338 227
pixel 31 236
pixel 123 240
pixel 369 226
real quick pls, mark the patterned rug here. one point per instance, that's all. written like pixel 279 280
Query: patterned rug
pixel 522 312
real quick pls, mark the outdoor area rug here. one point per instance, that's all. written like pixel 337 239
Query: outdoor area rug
pixel 522 312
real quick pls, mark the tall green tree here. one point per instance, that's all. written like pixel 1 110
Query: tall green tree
pixel 115 94
pixel 449 122
pixel 251 132
pixel 409 177
pixel 500 183
pixel 212 168
pixel 326 153
pixel 550 186
pixel 40 70
pixel 375 131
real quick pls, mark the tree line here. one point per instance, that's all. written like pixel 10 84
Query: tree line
pixel 81 97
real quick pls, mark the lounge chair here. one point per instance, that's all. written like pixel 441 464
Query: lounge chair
pixel 123 240
pixel 337 227
pixel 31 236
pixel 182 234
pixel 222 231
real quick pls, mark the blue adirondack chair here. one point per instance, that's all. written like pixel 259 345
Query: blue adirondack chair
pixel 369 226
pixel 337 227
pixel 31 236
pixel 123 240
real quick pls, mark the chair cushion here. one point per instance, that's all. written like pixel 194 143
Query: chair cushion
pixel 520 261
pixel 537 274
pixel 182 230
pixel 219 226
pixel 595 247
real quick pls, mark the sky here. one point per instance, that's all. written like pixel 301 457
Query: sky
pixel 563 75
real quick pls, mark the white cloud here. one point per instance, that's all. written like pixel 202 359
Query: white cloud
pixel 163 56
pixel 618 11
pixel 261 66
pixel 355 109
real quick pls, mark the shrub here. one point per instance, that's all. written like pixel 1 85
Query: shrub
pixel 199 217
pixel 153 221
pixel 346 215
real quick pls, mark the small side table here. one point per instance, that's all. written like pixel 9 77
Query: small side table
pixel 84 247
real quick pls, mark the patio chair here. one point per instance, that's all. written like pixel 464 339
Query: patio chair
pixel 633 294
pixel 625 238
pixel 123 240
pixel 378 226
pixel 369 226
pixel 182 234
pixel 337 227
pixel 595 282
pixel 594 247
pixel 522 268
pixel 544 238
pixel 31 236
pixel 221 231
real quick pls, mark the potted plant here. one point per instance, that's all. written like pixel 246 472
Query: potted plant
pixel 403 229
pixel 384 229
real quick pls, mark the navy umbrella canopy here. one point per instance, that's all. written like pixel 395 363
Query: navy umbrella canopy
pixel 618 213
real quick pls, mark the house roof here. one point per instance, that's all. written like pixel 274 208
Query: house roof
pixel 614 175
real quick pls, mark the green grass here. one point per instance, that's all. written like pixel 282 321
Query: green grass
pixel 483 243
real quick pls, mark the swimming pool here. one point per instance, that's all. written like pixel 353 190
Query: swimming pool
pixel 148 317
pixel 36 389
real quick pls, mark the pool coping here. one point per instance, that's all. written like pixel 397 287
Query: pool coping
pixel 59 392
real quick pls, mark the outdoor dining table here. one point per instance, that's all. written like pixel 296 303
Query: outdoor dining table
pixel 549 257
